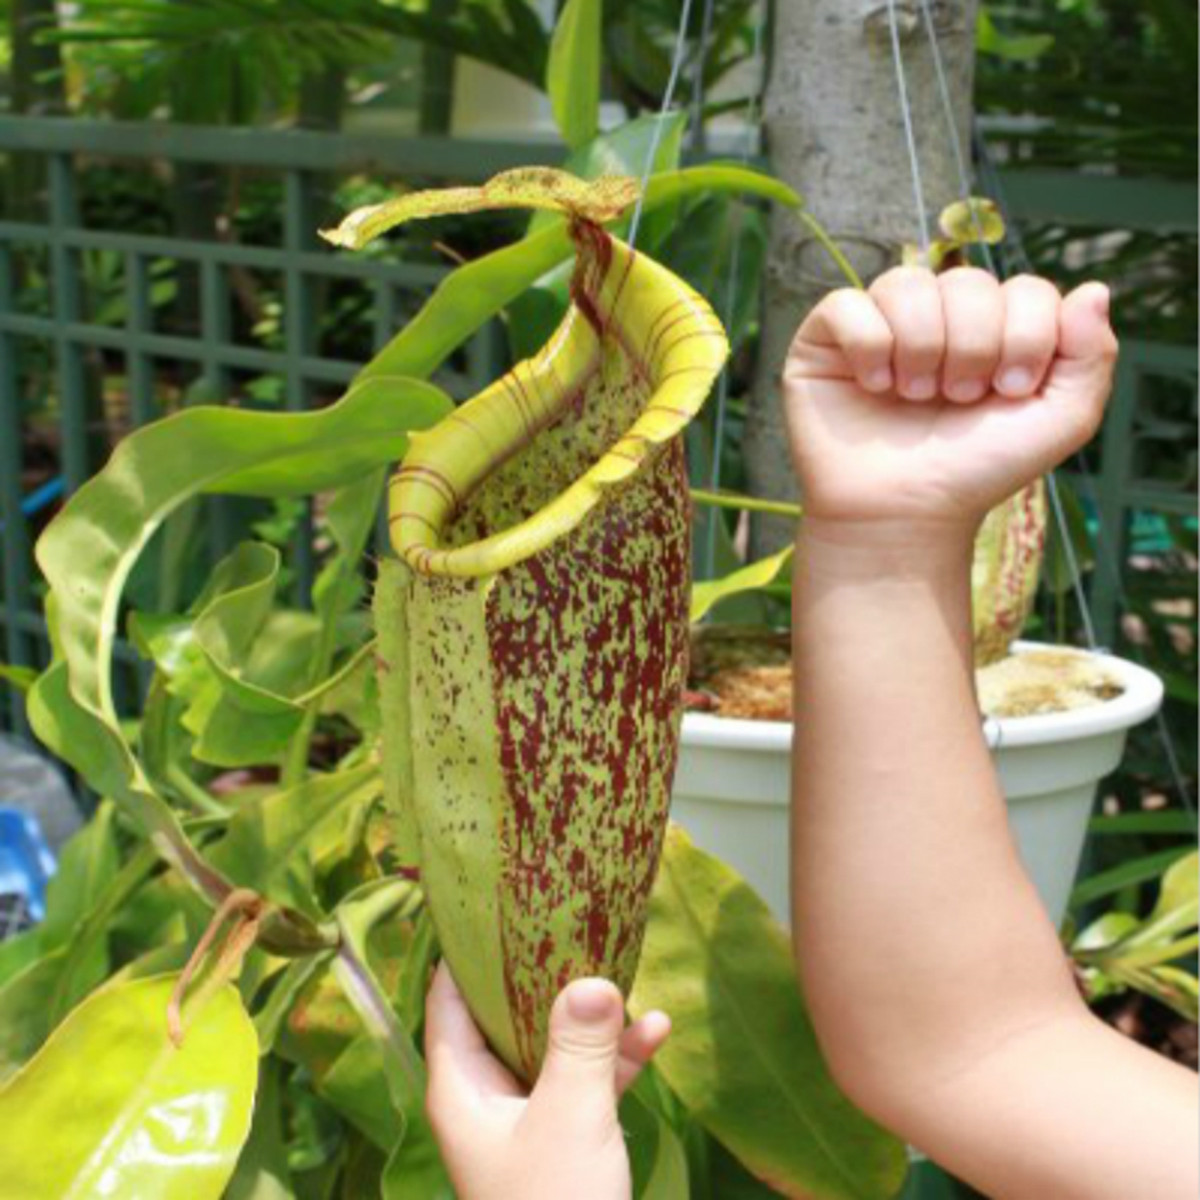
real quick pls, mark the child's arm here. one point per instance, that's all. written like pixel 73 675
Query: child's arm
pixel 938 987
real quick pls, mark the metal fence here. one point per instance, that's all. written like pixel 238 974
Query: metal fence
pixel 69 332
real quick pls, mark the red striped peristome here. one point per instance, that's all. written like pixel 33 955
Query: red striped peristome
pixel 534 636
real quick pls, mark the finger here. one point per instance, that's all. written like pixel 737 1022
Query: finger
pixel 847 330
pixel 974 314
pixel 1030 335
pixel 461 1066
pixel 639 1043
pixel 911 304
pixel 580 1067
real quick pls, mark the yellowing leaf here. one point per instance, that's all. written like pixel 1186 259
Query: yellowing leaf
pixel 109 1107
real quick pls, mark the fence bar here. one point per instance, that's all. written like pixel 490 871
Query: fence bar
pixel 66 308
pixel 311 262
pixel 138 321
pixel 14 532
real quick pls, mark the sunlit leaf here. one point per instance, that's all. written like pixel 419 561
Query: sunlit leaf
pixel 742 1055
pixel 573 70
pixel 110 1107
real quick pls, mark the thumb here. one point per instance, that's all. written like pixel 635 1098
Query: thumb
pixel 580 1068
pixel 1084 332
pixel 1080 377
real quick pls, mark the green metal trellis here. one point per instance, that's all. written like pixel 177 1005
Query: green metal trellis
pixel 303 160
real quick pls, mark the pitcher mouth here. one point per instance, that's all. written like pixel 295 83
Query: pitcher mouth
pixel 621 302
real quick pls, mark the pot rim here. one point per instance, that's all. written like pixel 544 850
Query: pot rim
pixel 1140 700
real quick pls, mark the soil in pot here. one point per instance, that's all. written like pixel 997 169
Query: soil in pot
pixel 743 671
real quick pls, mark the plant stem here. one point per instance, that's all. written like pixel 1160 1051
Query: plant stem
pixel 745 503
pixel 831 247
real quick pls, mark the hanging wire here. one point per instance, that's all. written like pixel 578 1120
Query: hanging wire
pixel 910 137
pixel 668 96
pixel 735 256
pixel 1073 567
pixel 698 86
pixel 964 180
pixel 960 161
pixel 1106 553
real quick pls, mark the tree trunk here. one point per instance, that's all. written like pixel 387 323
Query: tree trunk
pixel 834 132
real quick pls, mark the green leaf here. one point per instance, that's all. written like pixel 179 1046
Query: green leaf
pixel 20 677
pixel 1170 821
pixel 742 1055
pixel 573 71
pixel 266 844
pixel 1180 887
pixel 25 1004
pixel 87 865
pixel 262 1169
pixel 109 1107
pixel 89 549
pixel 656 1158
pixel 749 578
pixel 1126 874
pixel 1058 573
pixel 989 40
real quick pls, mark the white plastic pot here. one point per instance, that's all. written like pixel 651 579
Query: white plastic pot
pixel 732 784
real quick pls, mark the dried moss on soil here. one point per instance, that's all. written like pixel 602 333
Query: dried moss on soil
pixel 742 672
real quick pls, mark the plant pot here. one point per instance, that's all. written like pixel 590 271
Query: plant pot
pixel 732 784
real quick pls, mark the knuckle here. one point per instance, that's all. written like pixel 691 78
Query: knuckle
pixel 968 277
pixel 1031 285
pixel 900 278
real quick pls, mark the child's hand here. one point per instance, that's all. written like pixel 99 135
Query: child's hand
pixel 564 1138
pixel 929 399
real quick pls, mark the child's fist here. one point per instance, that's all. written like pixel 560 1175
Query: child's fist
pixel 930 398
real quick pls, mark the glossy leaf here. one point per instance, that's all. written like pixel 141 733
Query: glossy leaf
pixel 110 1107
pixel 573 71
pixel 742 1055
pixel 748 578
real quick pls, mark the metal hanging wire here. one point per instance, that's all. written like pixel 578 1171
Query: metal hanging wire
pixel 668 95
pixel 964 181
pixel 720 415
pixel 1107 554
pixel 910 137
